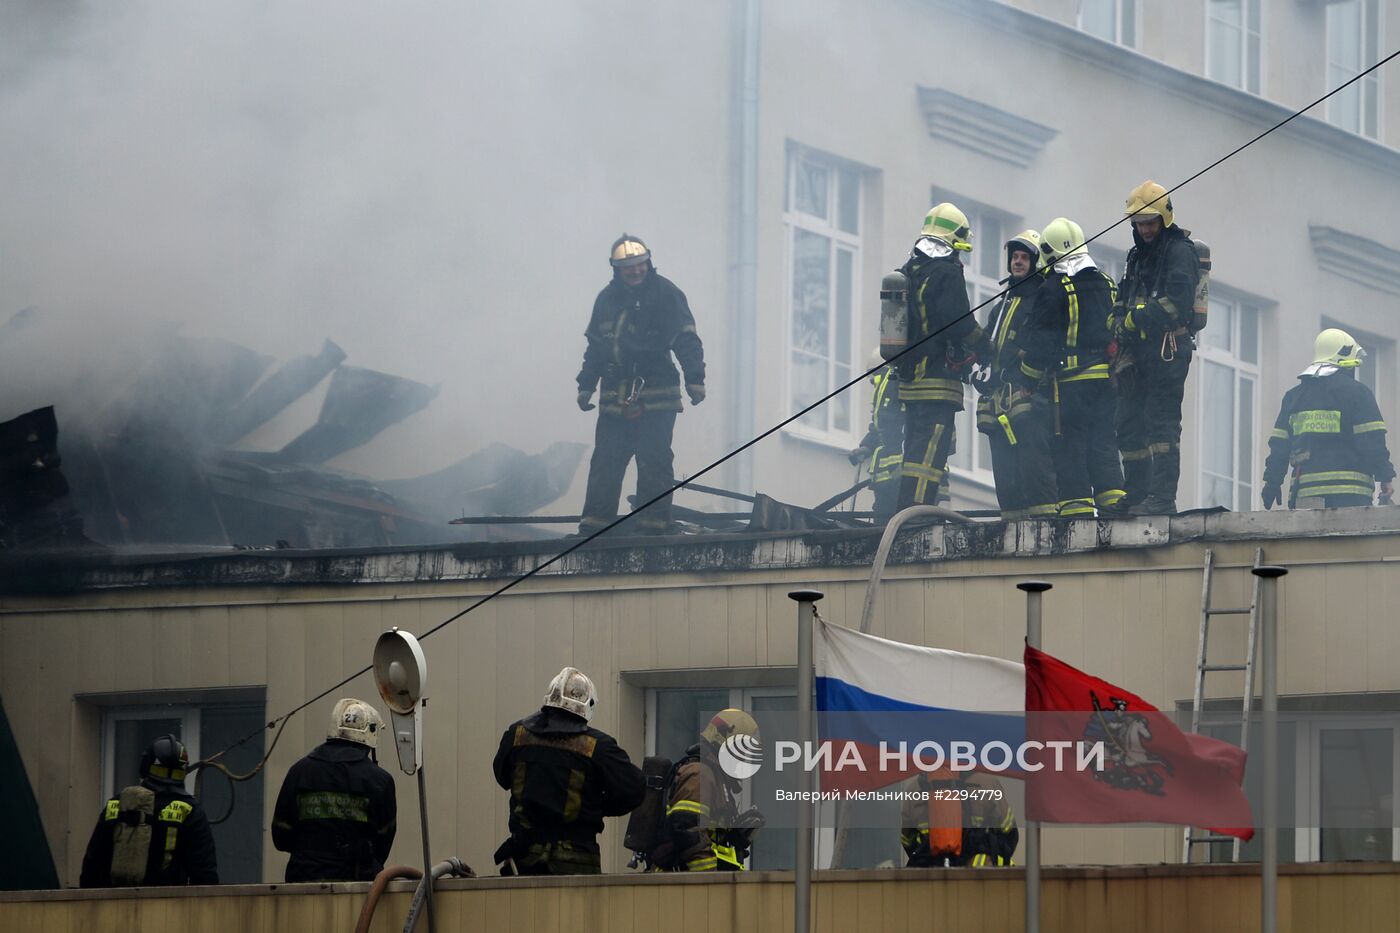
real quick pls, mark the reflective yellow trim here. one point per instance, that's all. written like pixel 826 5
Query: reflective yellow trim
pixel 1096 371
pixel 113 809
pixel 701 863
pixel 573 797
pixel 727 854
pixel 1130 456
pixel 1009 822
pixel 1076 507
pixel 1316 421
pixel 688 806
pixel 1279 433
pixel 1341 475
pixel 1366 426
pixel 170 836
pixel 1109 497
pixel 1043 511
pixel 1161 447
pixel 1072 335
pixel 1336 491
pixel 176 811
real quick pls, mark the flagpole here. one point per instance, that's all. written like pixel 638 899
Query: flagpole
pixel 806 809
pixel 1268 660
pixel 1033 589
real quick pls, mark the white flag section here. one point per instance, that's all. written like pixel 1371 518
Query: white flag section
pixel 858 672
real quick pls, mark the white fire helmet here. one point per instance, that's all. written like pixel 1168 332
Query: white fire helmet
pixel 573 692
pixel 355 721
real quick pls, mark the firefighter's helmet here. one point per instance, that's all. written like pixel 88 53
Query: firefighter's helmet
pixel 165 762
pixel 573 692
pixel 945 222
pixel 1061 237
pixel 729 722
pixel 1027 241
pixel 355 721
pixel 1150 199
pixel 629 250
pixel 1337 347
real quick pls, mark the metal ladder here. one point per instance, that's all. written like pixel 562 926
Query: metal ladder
pixel 1192 836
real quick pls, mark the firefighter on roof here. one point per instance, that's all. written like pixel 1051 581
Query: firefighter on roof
pixel 702 812
pixel 883 444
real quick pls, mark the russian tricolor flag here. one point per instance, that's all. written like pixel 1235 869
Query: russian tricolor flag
pixel 876 694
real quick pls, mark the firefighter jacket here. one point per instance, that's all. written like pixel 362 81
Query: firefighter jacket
pixel 1068 335
pixel 965 822
pixel 885 436
pixel 631 338
pixel 563 777
pixel 1004 330
pixel 336 814
pixel 1158 290
pixel 150 835
pixel 939 311
pixel 1330 431
pixel 701 809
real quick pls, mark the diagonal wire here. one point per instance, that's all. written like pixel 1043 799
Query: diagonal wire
pixel 791 418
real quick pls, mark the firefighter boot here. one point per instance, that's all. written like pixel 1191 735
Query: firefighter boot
pixel 1137 474
pixel 1161 491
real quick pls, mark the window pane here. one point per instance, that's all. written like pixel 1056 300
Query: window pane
pixel 1244 462
pixel 811 292
pixel 808 385
pixel 984 453
pixel 841 405
pixel 1249 333
pixel 961 457
pixel 772 850
pixel 1127 31
pixel 848 196
pixel 1218 434
pixel 1220 332
pixel 1251 64
pixel 1357 780
pixel 681 714
pixel 131 738
pixel 845 284
pixel 237 840
pixel 812 182
pixel 987 240
pixel 1096 18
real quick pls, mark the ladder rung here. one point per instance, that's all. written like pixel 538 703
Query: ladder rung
pixel 1199 840
pixel 1224 667
pixel 1232 611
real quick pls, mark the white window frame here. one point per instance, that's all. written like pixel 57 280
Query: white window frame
pixel 1368 88
pixel 189 735
pixel 1307 840
pixel 1247 30
pixel 841 240
pixel 1118 38
pixel 1245 473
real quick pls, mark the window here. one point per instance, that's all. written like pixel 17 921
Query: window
pixel 675 717
pixel 1353 30
pixel 204 729
pixel 1112 20
pixel 1227 404
pixel 1232 43
pixel 983 269
pixel 823 222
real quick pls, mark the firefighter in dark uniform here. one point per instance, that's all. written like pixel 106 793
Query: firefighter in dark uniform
pixel 563 777
pixel 152 833
pixel 966 822
pixel 1330 431
pixel 1154 326
pixel 1066 362
pixel 883 444
pixel 639 320
pixel 708 833
pixel 336 813
pixel 931 375
pixel 995 404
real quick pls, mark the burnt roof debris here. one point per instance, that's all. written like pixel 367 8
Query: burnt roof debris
pixel 359 404
pixel 145 454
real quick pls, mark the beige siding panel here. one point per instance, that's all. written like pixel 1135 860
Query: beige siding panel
pixel 742 627
pixel 903 611
pixel 706 614
pixel 134 660
pixel 1345 594
pixel 779 622
pixel 247 645
pixel 1105 641
pixel 636 633
pixel 593 651
pixel 1303 633
pixel 1382 637
pixel 668 617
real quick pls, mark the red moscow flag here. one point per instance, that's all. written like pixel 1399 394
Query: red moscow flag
pixel 1152 771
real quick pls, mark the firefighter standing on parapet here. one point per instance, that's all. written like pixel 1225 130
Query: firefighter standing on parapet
pixel 931 375
pixel 883 444
pixel 1067 363
pixel 1330 431
pixel 995 404
pixel 563 776
pixel 1157 316
pixel 639 321
pixel 336 812
pixel 152 833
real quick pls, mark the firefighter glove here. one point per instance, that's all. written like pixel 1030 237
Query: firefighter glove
pixel 1387 493
pixel 584 400
pixel 858 455
pixel 696 393
pixel 1273 495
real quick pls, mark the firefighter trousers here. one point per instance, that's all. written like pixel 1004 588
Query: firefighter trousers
pixel 1148 420
pixel 1006 470
pixel 1033 420
pixel 616 441
pixel 1085 451
pixel 928 439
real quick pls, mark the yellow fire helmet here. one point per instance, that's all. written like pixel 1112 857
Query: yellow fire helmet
pixel 729 722
pixel 629 250
pixel 1338 348
pixel 1026 241
pixel 1061 237
pixel 945 222
pixel 1150 199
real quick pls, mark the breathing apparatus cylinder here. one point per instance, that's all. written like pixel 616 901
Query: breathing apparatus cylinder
pixel 894 314
pixel 1201 307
